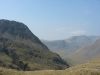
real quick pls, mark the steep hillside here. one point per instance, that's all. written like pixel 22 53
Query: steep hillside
pixel 21 49
pixel 87 53
pixel 71 45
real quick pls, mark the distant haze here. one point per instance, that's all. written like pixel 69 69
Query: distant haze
pixel 54 19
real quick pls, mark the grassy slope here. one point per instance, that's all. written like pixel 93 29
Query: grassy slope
pixel 91 68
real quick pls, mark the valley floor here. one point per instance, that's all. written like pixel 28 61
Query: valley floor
pixel 92 68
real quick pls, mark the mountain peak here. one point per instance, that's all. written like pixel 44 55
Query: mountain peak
pixel 15 30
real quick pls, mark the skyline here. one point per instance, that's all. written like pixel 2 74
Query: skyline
pixel 54 19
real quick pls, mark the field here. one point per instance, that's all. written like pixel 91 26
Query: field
pixel 91 68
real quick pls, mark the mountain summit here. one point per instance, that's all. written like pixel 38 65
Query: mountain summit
pixel 21 49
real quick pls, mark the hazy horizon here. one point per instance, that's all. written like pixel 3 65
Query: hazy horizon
pixel 54 19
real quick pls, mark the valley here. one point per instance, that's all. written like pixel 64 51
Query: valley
pixel 49 37
pixel 77 49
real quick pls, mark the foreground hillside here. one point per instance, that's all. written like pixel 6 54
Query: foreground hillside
pixel 91 68
pixel 21 49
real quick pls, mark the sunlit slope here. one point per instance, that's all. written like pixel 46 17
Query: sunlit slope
pixel 87 53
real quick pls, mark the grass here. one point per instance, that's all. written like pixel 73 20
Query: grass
pixel 52 72
pixel 91 68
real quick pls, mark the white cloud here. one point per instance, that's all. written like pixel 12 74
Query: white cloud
pixel 78 32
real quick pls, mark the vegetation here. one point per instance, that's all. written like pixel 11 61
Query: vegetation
pixel 91 68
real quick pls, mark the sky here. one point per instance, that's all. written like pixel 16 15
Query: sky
pixel 54 19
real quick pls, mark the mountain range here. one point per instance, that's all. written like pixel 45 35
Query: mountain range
pixel 70 45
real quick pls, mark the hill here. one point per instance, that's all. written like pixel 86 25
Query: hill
pixel 21 49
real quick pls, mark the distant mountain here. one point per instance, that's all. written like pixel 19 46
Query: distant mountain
pixel 87 53
pixel 21 49
pixel 71 45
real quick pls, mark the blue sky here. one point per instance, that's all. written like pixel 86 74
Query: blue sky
pixel 54 19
